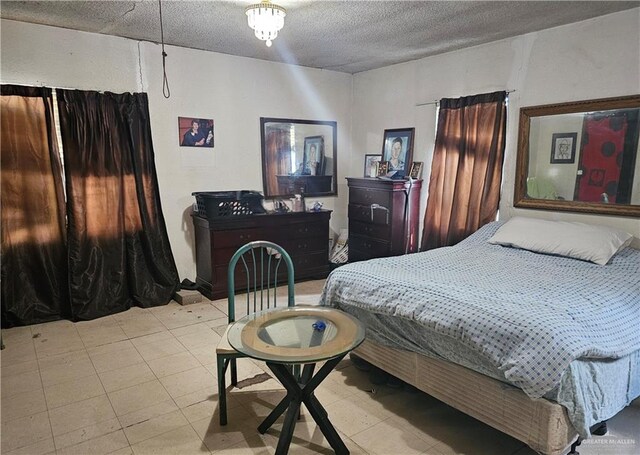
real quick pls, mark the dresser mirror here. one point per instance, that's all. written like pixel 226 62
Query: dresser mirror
pixel 580 157
pixel 298 157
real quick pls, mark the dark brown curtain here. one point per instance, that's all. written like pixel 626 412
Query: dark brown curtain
pixel 466 172
pixel 34 265
pixel 278 158
pixel 119 252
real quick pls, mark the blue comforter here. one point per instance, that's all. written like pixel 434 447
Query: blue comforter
pixel 522 316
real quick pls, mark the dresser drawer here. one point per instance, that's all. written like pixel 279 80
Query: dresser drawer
pixel 222 256
pixel 368 197
pixel 237 237
pixel 304 230
pixel 363 213
pixel 376 247
pixel 357 255
pixel 376 231
pixel 306 245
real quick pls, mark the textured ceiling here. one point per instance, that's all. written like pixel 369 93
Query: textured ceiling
pixel 348 36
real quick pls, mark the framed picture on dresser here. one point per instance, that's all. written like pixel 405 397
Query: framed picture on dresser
pixel 383 168
pixel 416 170
pixel 371 165
pixel 397 149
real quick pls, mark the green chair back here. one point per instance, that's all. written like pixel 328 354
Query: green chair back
pixel 265 265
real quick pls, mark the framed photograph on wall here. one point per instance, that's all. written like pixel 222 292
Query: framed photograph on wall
pixel 397 149
pixel 563 147
pixel 371 165
pixel 416 170
pixel 195 132
pixel 313 155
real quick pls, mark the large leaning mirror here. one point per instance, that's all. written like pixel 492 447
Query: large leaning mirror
pixel 580 157
pixel 298 157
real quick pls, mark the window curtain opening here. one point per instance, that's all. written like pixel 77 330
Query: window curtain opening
pixel 106 247
pixel 119 252
pixel 34 265
pixel 466 171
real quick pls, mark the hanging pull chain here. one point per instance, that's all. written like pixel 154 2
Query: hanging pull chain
pixel 165 82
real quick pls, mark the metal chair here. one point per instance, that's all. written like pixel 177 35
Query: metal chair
pixel 260 263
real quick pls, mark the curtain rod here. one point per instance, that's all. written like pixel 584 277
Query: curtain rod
pixel 438 101
pixel 43 85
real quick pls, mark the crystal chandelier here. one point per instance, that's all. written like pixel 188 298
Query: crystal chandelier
pixel 266 19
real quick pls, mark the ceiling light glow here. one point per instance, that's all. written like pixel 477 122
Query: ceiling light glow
pixel 266 19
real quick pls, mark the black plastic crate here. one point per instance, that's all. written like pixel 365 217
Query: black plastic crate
pixel 216 204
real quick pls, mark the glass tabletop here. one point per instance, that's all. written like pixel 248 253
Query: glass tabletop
pixel 296 334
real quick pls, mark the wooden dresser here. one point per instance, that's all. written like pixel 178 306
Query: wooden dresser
pixel 304 235
pixel 383 217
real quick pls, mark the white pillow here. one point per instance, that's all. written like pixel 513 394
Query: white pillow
pixel 575 240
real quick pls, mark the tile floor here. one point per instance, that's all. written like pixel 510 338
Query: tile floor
pixel 143 382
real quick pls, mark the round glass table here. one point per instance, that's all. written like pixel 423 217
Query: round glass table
pixel 283 337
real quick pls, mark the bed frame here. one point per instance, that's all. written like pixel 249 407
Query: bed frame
pixel 541 424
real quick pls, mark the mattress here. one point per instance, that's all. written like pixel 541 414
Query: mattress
pixel 520 317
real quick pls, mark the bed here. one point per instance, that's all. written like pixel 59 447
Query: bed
pixel 541 347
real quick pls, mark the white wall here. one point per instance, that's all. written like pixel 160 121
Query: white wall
pixel 597 58
pixel 234 91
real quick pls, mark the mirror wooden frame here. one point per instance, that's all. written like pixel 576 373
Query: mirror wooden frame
pixel 522 161
pixel 333 141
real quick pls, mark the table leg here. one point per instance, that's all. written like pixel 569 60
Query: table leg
pixel 284 403
pixel 273 416
pixel 318 412
pixel 287 428
pixel 303 393
pixel 321 417
pixel 307 373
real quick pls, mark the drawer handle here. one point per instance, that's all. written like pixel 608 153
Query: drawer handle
pixel 379 207
pixel 302 245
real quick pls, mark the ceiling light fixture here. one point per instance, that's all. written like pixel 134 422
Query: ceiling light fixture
pixel 266 19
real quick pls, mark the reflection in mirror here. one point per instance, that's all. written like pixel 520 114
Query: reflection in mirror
pixel 298 157
pixel 580 156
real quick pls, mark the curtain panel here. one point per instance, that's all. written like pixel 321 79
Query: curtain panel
pixel 118 248
pixel 466 171
pixel 34 264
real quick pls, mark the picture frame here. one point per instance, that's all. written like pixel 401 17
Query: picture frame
pixel 563 148
pixel 195 132
pixel 313 158
pixel 416 170
pixel 397 149
pixel 383 168
pixel 371 165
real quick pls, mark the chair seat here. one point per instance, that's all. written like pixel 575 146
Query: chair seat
pixel 223 345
